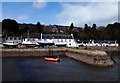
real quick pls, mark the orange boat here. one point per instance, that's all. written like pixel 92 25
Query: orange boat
pixel 52 59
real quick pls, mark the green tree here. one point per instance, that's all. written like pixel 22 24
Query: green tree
pixel 40 28
pixel 94 26
pixel 87 30
pixel 11 27
pixel 94 33
pixel 71 26
pixel 113 30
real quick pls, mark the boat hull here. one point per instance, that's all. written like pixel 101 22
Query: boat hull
pixel 7 45
pixel 42 43
pixel 52 59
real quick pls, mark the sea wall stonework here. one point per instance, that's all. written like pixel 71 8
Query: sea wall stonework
pixel 32 52
pixel 92 60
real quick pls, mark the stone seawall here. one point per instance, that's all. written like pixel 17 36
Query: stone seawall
pixel 92 57
pixel 32 52
pixel 105 48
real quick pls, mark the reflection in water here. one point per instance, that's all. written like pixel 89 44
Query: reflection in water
pixel 37 69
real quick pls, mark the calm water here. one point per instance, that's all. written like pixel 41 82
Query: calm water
pixel 36 69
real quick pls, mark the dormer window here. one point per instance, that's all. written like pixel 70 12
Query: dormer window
pixel 10 38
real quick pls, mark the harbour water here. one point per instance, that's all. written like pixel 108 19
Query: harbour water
pixel 37 69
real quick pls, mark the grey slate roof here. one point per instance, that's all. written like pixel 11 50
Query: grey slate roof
pixel 56 36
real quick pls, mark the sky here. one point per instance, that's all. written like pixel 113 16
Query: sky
pixel 61 13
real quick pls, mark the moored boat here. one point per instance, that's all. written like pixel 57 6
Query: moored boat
pixel 30 42
pixel 52 59
pixel 45 43
pixel 10 44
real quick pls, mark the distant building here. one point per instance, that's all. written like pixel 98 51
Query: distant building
pixel 97 43
pixel 60 39
pixel 55 29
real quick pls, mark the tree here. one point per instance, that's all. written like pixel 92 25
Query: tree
pixel 87 31
pixel 94 26
pixel 94 33
pixel 71 26
pixel 11 27
pixel 113 30
pixel 86 28
pixel 40 28
pixel 101 33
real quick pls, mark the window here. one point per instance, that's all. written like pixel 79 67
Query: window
pixel 33 39
pixel 28 40
pixel 15 38
pixel 10 38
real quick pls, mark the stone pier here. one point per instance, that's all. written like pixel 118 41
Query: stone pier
pixel 92 57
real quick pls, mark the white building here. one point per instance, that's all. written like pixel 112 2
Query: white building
pixel 59 39
pixel 97 43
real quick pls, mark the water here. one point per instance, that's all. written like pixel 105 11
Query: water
pixel 36 69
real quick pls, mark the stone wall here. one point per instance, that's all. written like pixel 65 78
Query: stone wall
pixel 93 57
pixel 32 52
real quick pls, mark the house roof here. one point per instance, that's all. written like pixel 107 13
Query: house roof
pixel 56 36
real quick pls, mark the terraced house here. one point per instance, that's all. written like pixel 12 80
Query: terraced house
pixel 60 39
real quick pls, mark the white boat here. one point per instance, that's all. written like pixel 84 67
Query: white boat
pixel 10 44
pixel 41 42
pixel 30 42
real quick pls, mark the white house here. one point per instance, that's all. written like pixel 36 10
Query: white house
pixel 59 39
pixel 97 43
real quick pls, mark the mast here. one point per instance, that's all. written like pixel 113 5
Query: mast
pixel 41 35
pixel 28 34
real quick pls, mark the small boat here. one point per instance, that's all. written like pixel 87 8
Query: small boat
pixel 52 59
pixel 10 44
pixel 45 43
pixel 29 42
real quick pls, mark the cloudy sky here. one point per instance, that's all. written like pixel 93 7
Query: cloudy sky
pixel 63 13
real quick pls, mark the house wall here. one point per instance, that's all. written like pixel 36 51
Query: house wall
pixel 98 44
pixel 67 42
